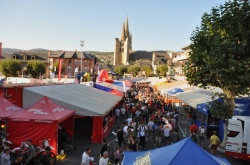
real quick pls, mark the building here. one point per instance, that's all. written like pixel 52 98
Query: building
pixel 25 57
pixel 72 62
pixel 164 57
pixel 180 60
pixel 123 46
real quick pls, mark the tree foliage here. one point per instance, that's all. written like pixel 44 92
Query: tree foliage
pixel 220 50
pixel 134 69
pixel 147 69
pixel 120 69
pixel 56 65
pixel 162 70
pixel 36 68
pixel 10 67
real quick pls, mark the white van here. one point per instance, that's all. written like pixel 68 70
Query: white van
pixel 238 137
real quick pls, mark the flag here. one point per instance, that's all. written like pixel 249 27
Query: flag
pixel 60 69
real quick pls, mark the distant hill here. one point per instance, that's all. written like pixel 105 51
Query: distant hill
pixel 10 50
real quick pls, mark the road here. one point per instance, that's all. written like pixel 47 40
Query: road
pixel 82 141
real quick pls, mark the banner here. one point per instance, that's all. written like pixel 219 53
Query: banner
pixel 60 69
pixel 0 50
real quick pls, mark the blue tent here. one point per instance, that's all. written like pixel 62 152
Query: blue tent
pixel 175 91
pixel 242 107
pixel 184 152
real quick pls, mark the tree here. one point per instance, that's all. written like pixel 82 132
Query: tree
pixel 36 68
pixel 9 67
pixel 147 69
pixel 120 69
pixel 162 70
pixel 220 52
pixel 134 69
pixel 55 65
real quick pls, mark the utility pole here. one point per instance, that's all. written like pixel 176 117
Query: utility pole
pixel 81 44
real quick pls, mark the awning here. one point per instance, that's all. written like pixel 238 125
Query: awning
pixel 84 100
pixel 197 96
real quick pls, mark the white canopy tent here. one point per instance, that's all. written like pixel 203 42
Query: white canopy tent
pixel 197 96
pixel 86 101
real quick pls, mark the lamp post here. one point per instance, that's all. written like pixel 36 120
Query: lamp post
pixel 81 44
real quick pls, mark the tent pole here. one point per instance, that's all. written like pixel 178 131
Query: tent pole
pixel 73 128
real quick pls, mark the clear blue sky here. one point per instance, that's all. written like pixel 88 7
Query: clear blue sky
pixel 61 24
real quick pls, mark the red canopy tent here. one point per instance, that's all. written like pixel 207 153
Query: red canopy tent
pixel 7 109
pixel 40 122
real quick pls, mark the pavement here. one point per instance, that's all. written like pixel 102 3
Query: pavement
pixel 82 141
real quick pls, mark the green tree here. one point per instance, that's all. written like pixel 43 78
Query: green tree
pixel 162 70
pixel 120 69
pixel 10 67
pixel 55 65
pixel 134 69
pixel 147 69
pixel 220 52
pixel 36 68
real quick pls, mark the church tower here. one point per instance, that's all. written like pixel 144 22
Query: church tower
pixel 123 46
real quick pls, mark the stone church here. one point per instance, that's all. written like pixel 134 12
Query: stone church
pixel 123 46
pixel 124 55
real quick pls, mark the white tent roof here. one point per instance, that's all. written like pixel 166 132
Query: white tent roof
pixel 84 100
pixel 197 96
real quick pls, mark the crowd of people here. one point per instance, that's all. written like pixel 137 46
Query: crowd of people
pixel 144 117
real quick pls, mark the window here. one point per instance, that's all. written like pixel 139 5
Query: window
pixel 14 57
pixel 25 57
pixel 69 62
pixel 33 57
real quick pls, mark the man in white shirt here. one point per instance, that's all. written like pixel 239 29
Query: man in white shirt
pixel 104 160
pixel 125 127
pixel 129 120
pixel 85 157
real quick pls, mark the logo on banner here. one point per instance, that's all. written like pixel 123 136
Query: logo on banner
pixel 58 109
pixel 44 121
pixel 38 111
pixel 12 108
pixel 143 159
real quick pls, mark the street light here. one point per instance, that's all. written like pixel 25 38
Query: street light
pixel 81 44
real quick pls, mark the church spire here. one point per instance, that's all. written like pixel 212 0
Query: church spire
pixel 127 29
pixel 123 32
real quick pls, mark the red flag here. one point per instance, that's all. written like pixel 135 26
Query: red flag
pixel 60 69
pixel 0 50
pixel 103 75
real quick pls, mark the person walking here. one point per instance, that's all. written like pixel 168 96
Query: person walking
pixel 142 129
pixel 104 159
pixel 31 152
pixel 85 157
pixel 158 135
pixel 104 147
pixel 117 114
pixel 202 135
pixel 5 158
pixel 117 155
pixel 214 141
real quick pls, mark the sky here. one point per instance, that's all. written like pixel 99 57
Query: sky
pixel 62 24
